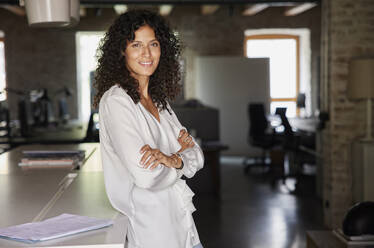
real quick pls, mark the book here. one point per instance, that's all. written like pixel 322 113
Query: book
pixel 53 153
pixel 72 159
pixel 52 228
pixel 49 161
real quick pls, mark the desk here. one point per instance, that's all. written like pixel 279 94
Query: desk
pixel 304 124
pixel 326 239
pixel 37 194
pixel 208 179
pixel 49 135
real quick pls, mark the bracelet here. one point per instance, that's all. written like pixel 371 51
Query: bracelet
pixel 178 155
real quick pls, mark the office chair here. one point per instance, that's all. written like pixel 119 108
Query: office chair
pixel 258 135
pixel 92 133
pixel 294 143
pixel 5 127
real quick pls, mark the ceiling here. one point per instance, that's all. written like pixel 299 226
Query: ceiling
pixel 101 2
pixel 208 7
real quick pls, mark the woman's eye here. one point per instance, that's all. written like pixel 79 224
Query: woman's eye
pixel 155 44
pixel 135 45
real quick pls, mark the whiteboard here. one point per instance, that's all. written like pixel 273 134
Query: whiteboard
pixel 229 84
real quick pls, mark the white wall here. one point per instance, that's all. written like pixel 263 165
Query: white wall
pixel 229 84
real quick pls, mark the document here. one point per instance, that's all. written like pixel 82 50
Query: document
pixel 56 227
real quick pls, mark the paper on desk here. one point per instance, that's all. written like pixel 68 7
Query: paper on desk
pixel 56 227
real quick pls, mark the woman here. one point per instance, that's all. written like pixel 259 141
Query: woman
pixel 145 150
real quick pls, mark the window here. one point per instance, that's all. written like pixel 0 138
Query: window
pixel 283 54
pixel 2 70
pixel 87 44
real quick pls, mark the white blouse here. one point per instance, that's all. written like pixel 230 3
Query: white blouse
pixel 157 202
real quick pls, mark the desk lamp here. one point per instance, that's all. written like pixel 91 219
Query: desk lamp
pixel 361 86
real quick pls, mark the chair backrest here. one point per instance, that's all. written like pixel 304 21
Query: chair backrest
pixel 258 122
pixel 281 111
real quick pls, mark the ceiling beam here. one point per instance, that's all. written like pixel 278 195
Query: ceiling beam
pixel 14 9
pixel 293 11
pixel 254 9
pixel 165 9
pixel 209 9
pixel 111 2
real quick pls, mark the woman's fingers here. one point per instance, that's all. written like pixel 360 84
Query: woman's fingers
pixel 155 164
pixel 145 148
pixel 185 140
pixel 182 132
pixel 145 157
pixel 160 159
pixel 152 158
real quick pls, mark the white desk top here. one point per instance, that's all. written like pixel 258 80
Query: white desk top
pixel 37 194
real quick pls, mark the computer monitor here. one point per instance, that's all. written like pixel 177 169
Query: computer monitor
pixel 281 111
pixel 300 101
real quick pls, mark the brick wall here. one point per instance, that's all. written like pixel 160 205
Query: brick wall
pixel 347 31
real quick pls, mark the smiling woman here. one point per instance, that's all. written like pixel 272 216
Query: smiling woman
pixel 145 149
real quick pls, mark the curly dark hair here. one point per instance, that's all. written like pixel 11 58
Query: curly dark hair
pixel 163 83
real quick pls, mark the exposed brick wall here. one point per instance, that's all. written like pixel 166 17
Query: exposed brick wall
pixel 43 58
pixel 348 31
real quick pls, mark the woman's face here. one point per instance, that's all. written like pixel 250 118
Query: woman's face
pixel 143 53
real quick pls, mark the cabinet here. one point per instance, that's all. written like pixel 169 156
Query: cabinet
pixel 363 171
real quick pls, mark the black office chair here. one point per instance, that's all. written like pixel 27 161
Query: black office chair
pixel 258 135
pixel 5 132
pixel 297 145
pixel 92 133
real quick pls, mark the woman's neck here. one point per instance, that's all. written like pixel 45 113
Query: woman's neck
pixel 143 87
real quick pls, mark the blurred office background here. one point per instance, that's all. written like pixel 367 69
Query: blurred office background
pixel 267 91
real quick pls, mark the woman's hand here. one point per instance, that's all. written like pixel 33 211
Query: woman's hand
pixel 153 157
pixel 185 140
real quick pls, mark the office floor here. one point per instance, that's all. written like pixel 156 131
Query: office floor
pixel 253 214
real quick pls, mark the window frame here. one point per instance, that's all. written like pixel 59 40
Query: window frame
pixel 5 92
pixel 281 36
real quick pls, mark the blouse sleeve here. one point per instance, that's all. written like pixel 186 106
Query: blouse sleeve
pixel 193 158
pixel 118 115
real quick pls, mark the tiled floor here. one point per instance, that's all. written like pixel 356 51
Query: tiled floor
pixel 252 213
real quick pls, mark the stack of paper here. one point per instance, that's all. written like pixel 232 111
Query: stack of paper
pixel 52 159
pixel 56 227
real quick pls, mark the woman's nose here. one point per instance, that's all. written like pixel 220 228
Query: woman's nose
pixel 146 51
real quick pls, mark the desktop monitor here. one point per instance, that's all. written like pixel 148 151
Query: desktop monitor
pixel 300 101
pixel 281 111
